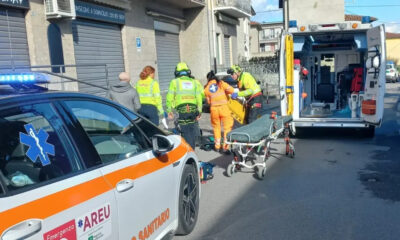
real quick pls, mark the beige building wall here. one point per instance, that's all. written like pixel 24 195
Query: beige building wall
pixel 194 42
pixel 393 50
pixel 138 24
pixel 195 37
pixel 316 11
pixel 254 40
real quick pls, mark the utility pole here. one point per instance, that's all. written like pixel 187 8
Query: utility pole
pixel 285 6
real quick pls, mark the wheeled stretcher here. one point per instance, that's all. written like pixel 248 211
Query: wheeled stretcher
pixel 252 142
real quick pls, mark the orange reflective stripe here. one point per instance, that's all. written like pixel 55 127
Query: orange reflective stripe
pixel 57 202
pixel 220 102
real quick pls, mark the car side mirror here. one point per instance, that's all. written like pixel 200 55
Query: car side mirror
pixel 161 144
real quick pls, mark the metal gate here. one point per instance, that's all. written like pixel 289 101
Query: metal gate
pixel 14 50
pixel 168 55
pixel 227 50
pixel 97 43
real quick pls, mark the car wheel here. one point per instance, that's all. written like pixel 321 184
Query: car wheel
pixel 188 200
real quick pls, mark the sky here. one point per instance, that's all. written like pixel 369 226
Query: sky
pixel 387 11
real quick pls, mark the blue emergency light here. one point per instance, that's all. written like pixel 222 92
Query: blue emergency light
pixel 22 78
pixel 292 24
pixel 366 19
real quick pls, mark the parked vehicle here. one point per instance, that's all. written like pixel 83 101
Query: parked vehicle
pixel 392 74
pixel 345 86
pixel 77 166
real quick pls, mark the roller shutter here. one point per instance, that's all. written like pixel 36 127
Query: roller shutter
pixel 97 43
pixel 13 42
pixel 167 46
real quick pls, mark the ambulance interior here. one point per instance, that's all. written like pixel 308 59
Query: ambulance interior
pixel 336 74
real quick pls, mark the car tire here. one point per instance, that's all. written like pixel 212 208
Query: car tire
pixel 188 209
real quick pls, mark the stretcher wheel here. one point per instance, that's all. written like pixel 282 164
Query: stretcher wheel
pixel 261 172
pixel 230 170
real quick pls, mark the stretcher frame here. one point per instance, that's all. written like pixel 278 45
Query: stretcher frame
pixel 260 151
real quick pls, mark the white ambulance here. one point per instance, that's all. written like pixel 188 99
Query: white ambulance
pixel 345 84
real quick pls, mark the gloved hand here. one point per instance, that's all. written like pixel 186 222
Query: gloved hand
pixel 234 95
pixel 164 122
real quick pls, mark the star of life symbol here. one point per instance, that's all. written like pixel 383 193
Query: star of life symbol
pixel 38 145
pixel 213 88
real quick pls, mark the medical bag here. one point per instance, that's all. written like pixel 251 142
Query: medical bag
pixel 356 84
pixel 206 171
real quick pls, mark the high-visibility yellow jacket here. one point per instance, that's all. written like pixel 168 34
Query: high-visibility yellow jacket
pixel 149 93
pixel 249 84
pixel 184 90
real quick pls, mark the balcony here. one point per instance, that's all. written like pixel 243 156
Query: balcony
pixel 234 8
pixel 185 3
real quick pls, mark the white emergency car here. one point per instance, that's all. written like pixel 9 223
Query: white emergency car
pixel 345 86
pixel 76 166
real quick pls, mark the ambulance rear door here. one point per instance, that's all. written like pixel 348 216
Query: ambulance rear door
pixel 285 70
pixel 375 78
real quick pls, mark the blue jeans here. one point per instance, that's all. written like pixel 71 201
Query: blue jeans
pixel 150 112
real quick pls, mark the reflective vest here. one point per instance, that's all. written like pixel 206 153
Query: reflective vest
pixel 216 92
pixel 249 84
pixel 149 93
pixel 184 90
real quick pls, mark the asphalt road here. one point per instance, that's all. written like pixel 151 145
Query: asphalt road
pixel 339 186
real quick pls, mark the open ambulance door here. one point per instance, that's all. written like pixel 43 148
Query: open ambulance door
pixel 286 73
pixel 375 80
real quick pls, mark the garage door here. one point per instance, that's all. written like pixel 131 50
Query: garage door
pixel 167 46
pixel 97 43
pixel 227 51
pixel 13 43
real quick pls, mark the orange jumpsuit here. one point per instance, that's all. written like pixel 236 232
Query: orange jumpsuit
pixel 220 112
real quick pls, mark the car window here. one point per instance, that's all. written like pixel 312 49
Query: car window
pixel 32 151
pixel 147 127
pixel 112 134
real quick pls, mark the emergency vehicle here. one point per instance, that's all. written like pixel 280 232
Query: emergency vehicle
pixel 76 166
pixel 345 84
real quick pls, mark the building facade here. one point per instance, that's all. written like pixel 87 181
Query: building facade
pixel 393 47
pixel 265 38
pixel 106 37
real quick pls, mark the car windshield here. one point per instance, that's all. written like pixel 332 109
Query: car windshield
pixel 389 66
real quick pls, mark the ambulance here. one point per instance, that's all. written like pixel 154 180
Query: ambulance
pixel 333 75
pixel 75 166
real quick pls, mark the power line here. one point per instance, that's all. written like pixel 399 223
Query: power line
pixel 267 11
pixel 373 6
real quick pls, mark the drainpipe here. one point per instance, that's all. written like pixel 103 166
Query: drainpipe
pixel 210 39
pixel 211 4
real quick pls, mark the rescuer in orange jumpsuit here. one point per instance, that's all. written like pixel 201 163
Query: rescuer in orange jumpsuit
pixel 216 92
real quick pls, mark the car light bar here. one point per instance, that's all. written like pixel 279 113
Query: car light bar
pixel 22 78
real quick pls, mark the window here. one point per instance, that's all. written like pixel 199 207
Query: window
pixel 34 147
pixel 262 47
pixel 112 134
pixel 55 47
pixel 148 128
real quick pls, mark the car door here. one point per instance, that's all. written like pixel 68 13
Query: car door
pixel 375 84
pixel 46 191
pixel 140 181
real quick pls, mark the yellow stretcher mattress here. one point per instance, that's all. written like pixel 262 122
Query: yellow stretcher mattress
pixel 238 110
